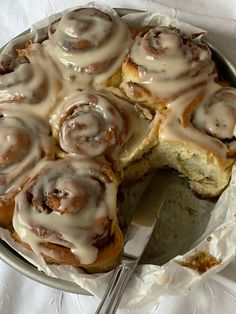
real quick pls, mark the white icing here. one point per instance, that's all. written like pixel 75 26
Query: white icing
pixel 79 183
pixel 22 84
pixel 33 84
pixel 92 123
pixel 217 114
pixel 8 139
pixel 23 138
pixel 84 25
pixel 176 72
pixel 168 89
pixel 174 129
pixel 168 63
pixel 109 38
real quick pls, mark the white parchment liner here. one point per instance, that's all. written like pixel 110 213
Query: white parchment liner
pixel 150 283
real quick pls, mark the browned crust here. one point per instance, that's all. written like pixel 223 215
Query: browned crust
pixel 6 211
pixel 107 259
pixel 140 93
pixel 115 79
pixel 26 51
pixel 130 70
pixel 131 84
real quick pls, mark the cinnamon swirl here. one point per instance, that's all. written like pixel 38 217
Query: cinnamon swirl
pixel 163 64
pixel 29 79
pixel 92 123
pixel 89 44
pixel 196 137
pixel 216 116
pixel 67 213
pixel 24 141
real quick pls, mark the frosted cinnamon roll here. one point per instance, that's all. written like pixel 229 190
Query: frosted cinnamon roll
pixel 100 124
pixel 164 63
pixel 196 137
pixel 29 79
pixel 24 142
pixel 67 213
pixel 89 44
pixel 217 117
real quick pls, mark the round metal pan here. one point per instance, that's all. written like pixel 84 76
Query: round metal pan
pixel 226 70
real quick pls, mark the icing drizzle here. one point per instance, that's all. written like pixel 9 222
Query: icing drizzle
pixel 32 81
pixel 175 74
pixel 24 140
pixel 217 115
pixel 89 42
pixel 70 202
pixel 167 62
pixel 94 123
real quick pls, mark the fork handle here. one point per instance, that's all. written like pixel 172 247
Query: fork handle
pixel 116 287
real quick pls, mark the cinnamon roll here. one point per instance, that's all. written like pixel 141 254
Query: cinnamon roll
pixel 216 116
pixel 197 137
pixel 163 64
pixel 90 45
pixel 29 78
pixel 24 141
pixel 92 123
pixel 67 213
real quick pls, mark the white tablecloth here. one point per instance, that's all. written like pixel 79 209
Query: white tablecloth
pixel 20 295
